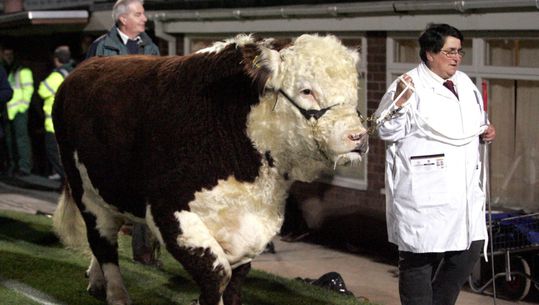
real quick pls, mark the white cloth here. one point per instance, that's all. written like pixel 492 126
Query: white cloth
pixel 434 197
pixel 125 38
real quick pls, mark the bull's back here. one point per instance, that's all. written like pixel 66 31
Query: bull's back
pixel 148 125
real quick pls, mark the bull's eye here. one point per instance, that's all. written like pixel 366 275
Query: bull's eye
pixel 306 92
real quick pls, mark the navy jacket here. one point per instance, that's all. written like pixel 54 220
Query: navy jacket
pixel 5 89
pixel 111 44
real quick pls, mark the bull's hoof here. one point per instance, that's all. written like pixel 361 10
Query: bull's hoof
pixel 123 302
pixel 97 292
pixel 120 302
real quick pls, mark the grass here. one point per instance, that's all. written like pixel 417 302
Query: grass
pixel 31 254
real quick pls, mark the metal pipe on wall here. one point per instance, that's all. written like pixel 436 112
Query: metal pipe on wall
pixel 343 9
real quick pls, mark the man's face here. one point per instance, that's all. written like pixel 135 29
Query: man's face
pixel 133 22
pixel 446 62
pixel 8 56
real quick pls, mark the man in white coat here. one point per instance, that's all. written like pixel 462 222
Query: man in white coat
pixel 433 122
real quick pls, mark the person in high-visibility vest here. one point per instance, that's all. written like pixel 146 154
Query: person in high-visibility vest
pixel 47 91
pixel 17 139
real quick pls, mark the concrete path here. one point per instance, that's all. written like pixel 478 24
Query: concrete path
pixel 27 200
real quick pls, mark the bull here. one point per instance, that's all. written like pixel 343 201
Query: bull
pixel 203 148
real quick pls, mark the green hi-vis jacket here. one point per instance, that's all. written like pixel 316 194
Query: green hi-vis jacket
pixel 47 91
pixel 22 83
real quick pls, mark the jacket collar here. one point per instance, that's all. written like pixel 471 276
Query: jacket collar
pixel 114 40
pixel 434 82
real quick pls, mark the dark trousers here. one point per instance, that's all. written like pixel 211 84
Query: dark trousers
pixel 435 278
pixel 51 148
pixel 18 143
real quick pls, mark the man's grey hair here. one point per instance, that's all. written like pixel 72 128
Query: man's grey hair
pixel 122 7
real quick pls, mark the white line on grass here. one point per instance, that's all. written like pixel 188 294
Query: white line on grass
pixel 29 292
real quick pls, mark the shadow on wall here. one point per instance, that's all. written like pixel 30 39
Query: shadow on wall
pixel 346 228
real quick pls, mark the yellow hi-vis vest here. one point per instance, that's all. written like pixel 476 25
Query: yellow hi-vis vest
pixel 47 91
pixel 22 83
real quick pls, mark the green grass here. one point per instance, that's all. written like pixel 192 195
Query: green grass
pixel 31 254
pixel 12 297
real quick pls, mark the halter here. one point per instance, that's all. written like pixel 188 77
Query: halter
pixel 307 114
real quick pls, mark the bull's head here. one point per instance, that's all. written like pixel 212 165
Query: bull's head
pixel 308 116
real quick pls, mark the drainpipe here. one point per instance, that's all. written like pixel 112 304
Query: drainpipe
pixel 171 39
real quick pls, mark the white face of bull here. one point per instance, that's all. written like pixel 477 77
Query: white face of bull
pixel 316 73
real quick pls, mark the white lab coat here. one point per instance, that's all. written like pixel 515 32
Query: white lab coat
pixel 434 196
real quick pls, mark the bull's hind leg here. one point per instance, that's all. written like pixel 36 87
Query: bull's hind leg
pixel 102 232
pixel 104 271
pixel 96 280
pixel 202 256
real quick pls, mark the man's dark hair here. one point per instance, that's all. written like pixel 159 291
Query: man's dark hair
pixel 63 54
pixel 433 39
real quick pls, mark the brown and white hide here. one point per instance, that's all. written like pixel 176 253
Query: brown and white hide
pixel 203 148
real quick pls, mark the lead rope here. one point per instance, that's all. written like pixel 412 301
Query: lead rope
pixel 416 117
pixel 489 210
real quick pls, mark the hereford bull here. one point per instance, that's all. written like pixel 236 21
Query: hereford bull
pixel 203 148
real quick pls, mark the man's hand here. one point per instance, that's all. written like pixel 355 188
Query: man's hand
pixel 401 86
pixel 489 134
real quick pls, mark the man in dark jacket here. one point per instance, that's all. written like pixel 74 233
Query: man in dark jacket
pixel 5 95
pixel 127 36
pixel 5 90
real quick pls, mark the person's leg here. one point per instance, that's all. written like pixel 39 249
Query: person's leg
pixel 453 273
pixel 22 140
pixel 10 147
pixel 51 148
pixel 415 277
pixel 144 245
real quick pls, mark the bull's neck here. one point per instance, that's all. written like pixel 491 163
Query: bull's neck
pixel 270 131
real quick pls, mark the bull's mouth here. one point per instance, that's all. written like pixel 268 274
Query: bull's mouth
pixel 353 157
pixel 361 150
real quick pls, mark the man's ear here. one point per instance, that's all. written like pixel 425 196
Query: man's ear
pixel 121 21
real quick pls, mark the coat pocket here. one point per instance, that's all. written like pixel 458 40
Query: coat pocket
pixel 430 181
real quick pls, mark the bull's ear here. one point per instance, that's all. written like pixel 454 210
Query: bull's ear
pixel 262 64
pixel 354 53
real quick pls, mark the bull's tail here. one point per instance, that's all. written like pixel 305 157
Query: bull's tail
pixel 68 223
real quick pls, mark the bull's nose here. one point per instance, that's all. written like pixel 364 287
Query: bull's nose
pixel 362 142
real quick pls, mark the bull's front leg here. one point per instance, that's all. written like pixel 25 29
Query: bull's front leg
pixel 232 295
pixel 202 256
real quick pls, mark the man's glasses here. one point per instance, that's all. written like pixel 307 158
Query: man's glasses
pixel 453 53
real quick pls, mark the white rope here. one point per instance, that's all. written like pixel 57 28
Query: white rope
pixel 386 113
pixel 456 140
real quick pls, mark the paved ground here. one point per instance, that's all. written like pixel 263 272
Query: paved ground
pixel 363 275
pixel 369 276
